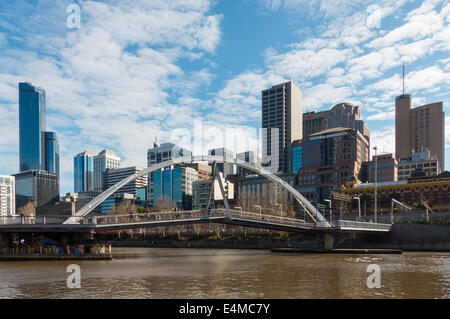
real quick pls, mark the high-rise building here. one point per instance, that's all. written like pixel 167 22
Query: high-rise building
pixel 105 159
pixel 228 155
pixel 83 172
pixel 161 153
pixel 51 153
pixel 112 176
pixel 282 110
pixel 31 127
pixel 419 129
pixel 344 114
pixel 329 159
pixel 36 186
pixel 7 196
pixel 174 184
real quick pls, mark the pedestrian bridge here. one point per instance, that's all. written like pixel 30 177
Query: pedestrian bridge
pixel 180 218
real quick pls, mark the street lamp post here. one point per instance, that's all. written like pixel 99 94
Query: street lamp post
pixel 359 207
pixel 376 175
pixel 331 210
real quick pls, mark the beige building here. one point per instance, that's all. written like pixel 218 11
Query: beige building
pixel 419 129
pixel 418 162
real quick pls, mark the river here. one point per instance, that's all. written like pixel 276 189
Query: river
pixel 228 273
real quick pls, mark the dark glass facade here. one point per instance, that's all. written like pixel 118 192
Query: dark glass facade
pixel 52 153
pixel 83 173
pixel 37 186
pixel 31 127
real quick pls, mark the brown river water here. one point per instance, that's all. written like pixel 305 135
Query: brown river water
pixel 228 273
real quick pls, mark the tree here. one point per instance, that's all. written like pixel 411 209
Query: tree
pixel 28 210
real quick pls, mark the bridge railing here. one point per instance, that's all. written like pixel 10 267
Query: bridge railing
pixel 362 225
pixel 131 218
pixel 266 218
pixel 32 220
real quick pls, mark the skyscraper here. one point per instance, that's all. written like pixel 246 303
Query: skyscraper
pixel 52 153
pixel 282 110
pixel 419 129
pixel 83 172
pixel 105 159
pixel 31 127
pixel 343 114
pixel 328 160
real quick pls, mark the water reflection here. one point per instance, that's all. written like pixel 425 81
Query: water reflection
pixel 209 273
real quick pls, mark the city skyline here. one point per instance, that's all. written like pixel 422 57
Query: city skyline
pixel 167 84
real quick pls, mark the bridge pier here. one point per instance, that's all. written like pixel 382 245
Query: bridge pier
pixel 328 240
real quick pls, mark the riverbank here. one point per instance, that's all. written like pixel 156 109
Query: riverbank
pixel 404 237
pixel 55 257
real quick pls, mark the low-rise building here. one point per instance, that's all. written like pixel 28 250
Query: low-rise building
pixel 418 162
pixel 202 190
pixel 433 190
pixel 36 186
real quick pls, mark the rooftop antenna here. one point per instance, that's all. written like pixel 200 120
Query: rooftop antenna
pixel 403 79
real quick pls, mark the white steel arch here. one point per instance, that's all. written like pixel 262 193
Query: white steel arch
pixel 309 208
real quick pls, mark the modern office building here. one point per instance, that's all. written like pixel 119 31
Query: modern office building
pixel 282 111
pixel 52 153
pixel 261 188
pixel 36 186
pixel 204 171
pixel 423 162
pixel 161 153
pixel 112 176
pixel 329 159
pixel 250 157
pixel 226 154
pixel 83 172
pixel 104 160
pixel 344 114
pixel 7 196
pixel 296 156
pixel 31 127
pixel 109 204
pixel 174 184
pixel 419 129
pixel 202 190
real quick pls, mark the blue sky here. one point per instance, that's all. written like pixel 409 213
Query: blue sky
pixel 140 69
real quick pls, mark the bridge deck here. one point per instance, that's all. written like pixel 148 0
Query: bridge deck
pixel 162 219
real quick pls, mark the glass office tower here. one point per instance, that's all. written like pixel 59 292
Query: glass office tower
pixel 52 153
pixel 31 127
pixel 83 173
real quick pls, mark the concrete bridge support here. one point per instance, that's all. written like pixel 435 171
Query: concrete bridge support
pixel 328 241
